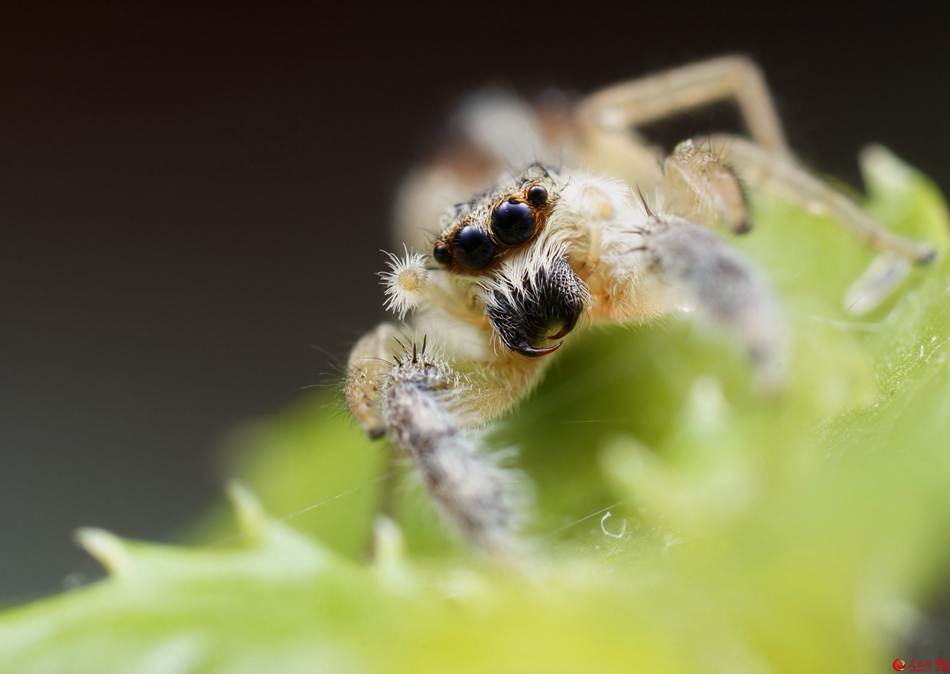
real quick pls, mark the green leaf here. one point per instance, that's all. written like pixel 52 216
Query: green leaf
pixel 744 533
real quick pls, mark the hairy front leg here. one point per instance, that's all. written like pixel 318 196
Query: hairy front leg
pixel 428 411
pixel 424 407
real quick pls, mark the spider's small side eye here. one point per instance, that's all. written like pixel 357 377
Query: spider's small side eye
pixel 441 254
pixel 513 222
pixel 472 248
pixel 537 195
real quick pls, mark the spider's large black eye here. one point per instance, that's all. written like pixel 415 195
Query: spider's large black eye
pixel 513 222
pixel 472 248
pixel 441 254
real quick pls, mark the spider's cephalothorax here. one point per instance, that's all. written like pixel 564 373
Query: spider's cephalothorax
pixel 511 272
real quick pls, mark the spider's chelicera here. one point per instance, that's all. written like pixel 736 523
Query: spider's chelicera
pixel 512 271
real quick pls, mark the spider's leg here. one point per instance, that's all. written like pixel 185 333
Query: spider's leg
pixel 366 371
pixel 607 120
pixel 784 177
pixel 423 405
pixel 426 409
pixel 688 266
pixel 698 186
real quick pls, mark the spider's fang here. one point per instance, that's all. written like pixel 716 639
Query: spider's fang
pixel 537 352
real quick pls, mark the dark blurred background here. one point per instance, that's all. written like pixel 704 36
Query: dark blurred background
pixel 192 202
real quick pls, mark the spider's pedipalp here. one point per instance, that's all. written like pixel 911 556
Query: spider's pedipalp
pixel 405 282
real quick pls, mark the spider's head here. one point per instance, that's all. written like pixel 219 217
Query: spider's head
pixel 506 239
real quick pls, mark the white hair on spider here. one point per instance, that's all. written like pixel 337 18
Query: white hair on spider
pixel 405 283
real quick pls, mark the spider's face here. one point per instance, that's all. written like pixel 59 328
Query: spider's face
pixel 504 238
pixel 478 235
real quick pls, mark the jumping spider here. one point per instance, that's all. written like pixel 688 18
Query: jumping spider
pixel 569 235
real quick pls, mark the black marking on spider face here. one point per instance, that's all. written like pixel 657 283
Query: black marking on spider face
pixel 550 302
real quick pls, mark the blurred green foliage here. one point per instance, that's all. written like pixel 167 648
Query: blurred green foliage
pixel 746 533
